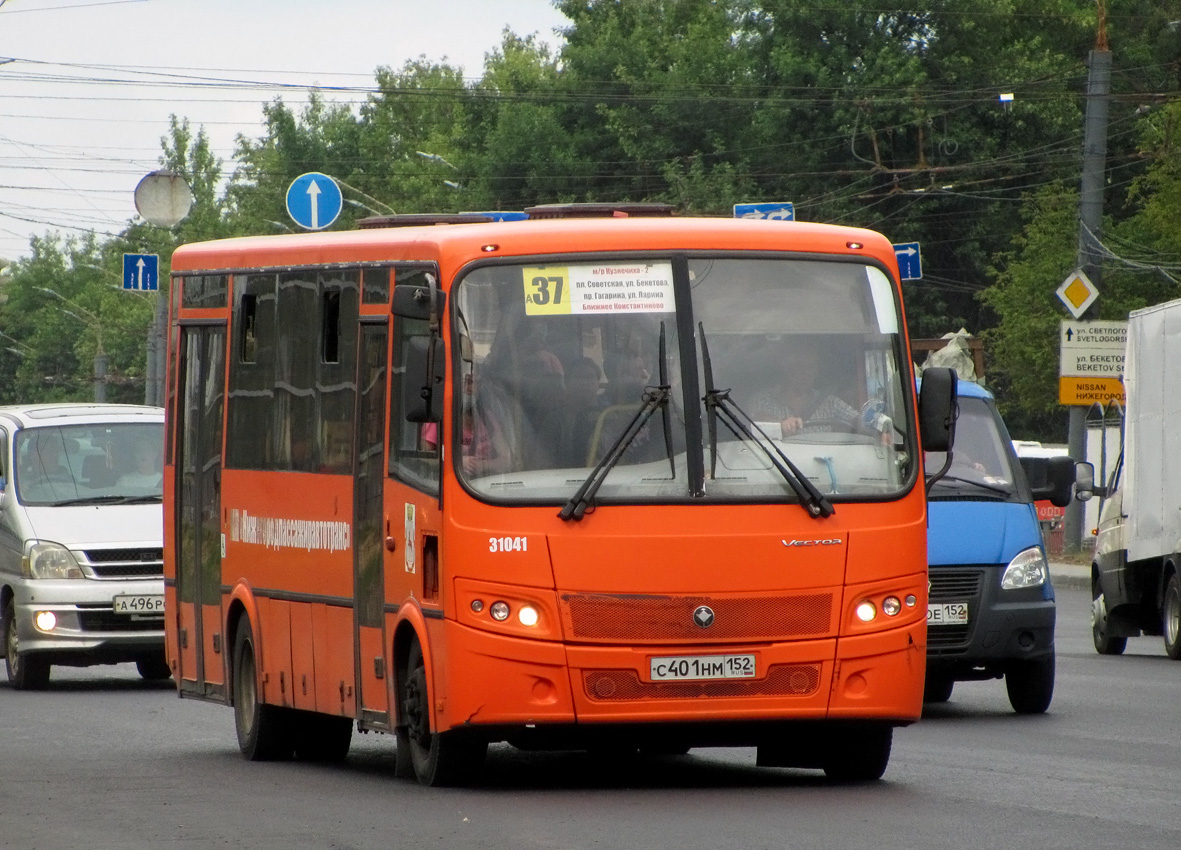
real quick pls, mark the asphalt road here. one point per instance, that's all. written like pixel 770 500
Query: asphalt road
pixel 102 760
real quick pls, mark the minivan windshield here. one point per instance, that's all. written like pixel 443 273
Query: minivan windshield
pixel 982 460
pixel 108 463
pixel 581 376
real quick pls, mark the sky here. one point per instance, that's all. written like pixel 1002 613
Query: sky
pixel 87 86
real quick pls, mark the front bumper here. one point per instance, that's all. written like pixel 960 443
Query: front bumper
pixel 88 631
pixel 1003 625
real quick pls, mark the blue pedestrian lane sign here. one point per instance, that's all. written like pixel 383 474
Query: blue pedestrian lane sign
pixel 910 261
pixel 141 272
pixel 776 211
pixel 314 200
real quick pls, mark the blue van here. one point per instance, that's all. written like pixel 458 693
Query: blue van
pixel 990 611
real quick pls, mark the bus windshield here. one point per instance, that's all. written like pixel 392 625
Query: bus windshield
pixel 791 370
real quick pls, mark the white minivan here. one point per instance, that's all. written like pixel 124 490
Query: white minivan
pixel 81 538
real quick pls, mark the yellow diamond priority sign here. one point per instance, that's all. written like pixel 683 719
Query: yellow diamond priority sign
pixel 1077 293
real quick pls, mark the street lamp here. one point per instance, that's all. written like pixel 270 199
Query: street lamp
pixel 96 325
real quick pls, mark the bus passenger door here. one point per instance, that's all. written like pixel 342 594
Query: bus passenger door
pixel 369 544
pixel 200 401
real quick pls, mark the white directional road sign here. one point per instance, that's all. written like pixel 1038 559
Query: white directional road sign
pixel 778 211
pixel 1091 361
pixel 314 200
pixel 141 272
pixel 910 260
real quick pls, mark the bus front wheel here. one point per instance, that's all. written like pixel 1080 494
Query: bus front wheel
pixel 438 758
pixel 859 755
pixel 264 731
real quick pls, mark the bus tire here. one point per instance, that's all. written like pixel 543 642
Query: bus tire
pixel 438 758
pixel 26 672
pixel 1170 612
pixel 1030 685
pixel 1105 642
pixel 153 668
pixel 858 754
pixel 264 731
pixel 321 737
pixel 938 688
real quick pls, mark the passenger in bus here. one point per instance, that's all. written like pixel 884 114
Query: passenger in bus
pixel 584 404
pixel 796 403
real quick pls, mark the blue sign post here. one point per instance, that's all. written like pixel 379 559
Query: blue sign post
pixel 910 261
pixel 141 272
pixel 778 211
pixel 314 200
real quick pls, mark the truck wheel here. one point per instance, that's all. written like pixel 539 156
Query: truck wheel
pixel 25 672
pixel 938 688
pixel 1030 685
pixel 1105 644
pixel 1171 617
pixel 859 756
pixel 439 758
pixel 264 731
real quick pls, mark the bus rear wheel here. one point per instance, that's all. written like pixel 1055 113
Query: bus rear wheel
pixel 438 758
pixel 859 755
pixel 264 731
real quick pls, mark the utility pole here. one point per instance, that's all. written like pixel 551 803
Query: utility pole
pixel 1090 226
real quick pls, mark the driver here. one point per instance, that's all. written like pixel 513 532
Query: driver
pixel 795 402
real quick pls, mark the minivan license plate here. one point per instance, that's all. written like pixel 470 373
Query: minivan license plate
pixel 140 603
pixel 947 614
pixel 680 667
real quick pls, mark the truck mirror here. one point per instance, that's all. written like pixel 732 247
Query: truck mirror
pixel 1084 482
pixel 1051 478
pixel 937 409
pixel 422 383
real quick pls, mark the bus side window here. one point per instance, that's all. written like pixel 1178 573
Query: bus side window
pixel 413 458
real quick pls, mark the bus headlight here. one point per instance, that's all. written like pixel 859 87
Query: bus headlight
pixel 499 611
pixel 866 611
pixel 1027 569
pixel 50 560
pixel 528 616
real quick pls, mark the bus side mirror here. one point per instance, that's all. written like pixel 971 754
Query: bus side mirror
pixel 1051 478
pixel 938 400
pixel 422 391
pixel 413 301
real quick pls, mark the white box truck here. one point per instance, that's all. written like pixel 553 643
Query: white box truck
pixel 1136 566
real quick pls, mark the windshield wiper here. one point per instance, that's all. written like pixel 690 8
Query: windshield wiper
pixel 653 398
pixel 983 485
pixel 740 423
pixel 109 500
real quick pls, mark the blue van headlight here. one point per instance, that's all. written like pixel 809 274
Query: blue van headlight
pixel 1027 569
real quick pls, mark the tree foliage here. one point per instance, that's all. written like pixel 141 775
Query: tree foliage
pixel 886 117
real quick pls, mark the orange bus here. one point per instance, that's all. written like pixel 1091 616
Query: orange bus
pixel 626 481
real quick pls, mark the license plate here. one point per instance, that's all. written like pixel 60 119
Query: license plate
pixel 141 603
pixel 680 667
pixel 947 614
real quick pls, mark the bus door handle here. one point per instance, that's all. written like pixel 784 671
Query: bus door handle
pixel 391 544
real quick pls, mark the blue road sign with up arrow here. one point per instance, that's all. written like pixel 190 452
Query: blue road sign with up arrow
pixel 141 272
pixel 910 261
pixel 778 211
pixel 314 200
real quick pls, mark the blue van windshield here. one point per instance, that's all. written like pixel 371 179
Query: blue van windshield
pixel 981 464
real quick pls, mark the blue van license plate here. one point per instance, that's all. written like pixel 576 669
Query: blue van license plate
pixel 947 613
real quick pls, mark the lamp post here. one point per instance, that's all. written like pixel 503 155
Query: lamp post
pixel 96 325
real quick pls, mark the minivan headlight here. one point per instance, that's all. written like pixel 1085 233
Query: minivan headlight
pixel 1027 569
pixel 50 560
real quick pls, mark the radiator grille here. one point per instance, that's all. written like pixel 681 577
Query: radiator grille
pixel 669 619
pixel 781 680
pixel 955 585
pixel 125 563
